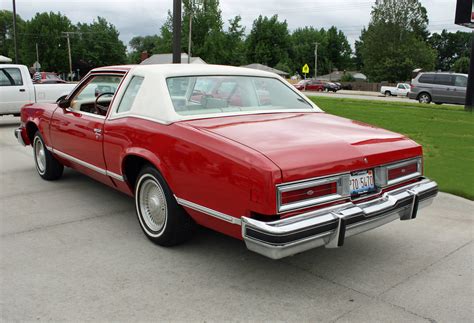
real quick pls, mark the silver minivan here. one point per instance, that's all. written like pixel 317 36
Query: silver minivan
pixel 439 87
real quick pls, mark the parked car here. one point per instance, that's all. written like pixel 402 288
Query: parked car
pixel 310 85
pixel 329 86
pixel 50 78
pixel 439 87
pixel 283 175
pixel 17 89
pixel 402 89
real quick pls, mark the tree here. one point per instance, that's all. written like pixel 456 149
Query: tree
pixel 338 49
pixel 141 44
pixel 7 46
pixel 450 47
pixel 98 44
pixel 268 42
pixel 302 50
pixel 234 53
pixel 461 65
pixel 394 43
pixel 45 29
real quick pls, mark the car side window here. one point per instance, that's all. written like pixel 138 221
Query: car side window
pixel 130 94
pixel 460 81
pixel 10 77
pixel 426 78
pixel 84 99
pixel 401 86
pixel 444 79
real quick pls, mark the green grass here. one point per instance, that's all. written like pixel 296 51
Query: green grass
pixel 445 132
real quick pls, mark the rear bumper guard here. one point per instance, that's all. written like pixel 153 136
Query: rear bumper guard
pixel 330 226
pixel 19 137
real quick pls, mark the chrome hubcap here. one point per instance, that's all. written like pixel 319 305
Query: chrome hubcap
pixel 40 155
pixel 424 99
pixel 152 204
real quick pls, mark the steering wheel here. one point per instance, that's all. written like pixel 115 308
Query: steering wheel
pixel 100 109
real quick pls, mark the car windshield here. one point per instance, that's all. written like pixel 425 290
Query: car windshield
pixel 194 95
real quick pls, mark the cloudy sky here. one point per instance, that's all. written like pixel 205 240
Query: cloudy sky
pixel 144 17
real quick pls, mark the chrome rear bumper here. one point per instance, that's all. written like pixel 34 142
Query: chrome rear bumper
pixel 330 226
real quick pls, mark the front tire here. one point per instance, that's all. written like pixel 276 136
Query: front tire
pixel 47 166
pixel 161 218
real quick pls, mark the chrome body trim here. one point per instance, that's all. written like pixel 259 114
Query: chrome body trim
pixel 329 226
pixel 208 211
pixel 87 165
pixel 19 136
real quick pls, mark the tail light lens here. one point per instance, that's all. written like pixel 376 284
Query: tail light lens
pixel 398 172
pixel 314 192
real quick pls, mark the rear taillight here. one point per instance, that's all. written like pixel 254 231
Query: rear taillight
pixel 309 193
pixel 401 171
pixel 398 172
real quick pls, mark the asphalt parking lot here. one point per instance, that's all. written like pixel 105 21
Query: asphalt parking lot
pixel 73 250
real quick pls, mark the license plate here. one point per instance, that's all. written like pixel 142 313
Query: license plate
pixel 362 182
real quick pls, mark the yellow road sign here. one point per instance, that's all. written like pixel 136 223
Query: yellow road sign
pixel 305 69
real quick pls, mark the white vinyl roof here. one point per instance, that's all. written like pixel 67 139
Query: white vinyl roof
pixel 153 101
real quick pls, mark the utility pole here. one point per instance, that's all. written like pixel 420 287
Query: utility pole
pixel 189 36
pixel 14 33
pixel 67 34
pixel 315 59
pixel 470 80
pixel 176 31
pixel 37 53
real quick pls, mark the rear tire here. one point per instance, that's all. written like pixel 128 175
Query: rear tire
pixel 161 218
pixel 388 93
pixel 48 167
pixel 424 98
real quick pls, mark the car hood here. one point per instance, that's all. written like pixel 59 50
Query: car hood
pixel 307 145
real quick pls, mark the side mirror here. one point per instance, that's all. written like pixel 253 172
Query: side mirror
pixel 63 103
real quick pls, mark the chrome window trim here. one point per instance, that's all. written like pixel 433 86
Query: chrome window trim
pixel 86 164
pixel 98 116
pixel 342 181
pixel 208 211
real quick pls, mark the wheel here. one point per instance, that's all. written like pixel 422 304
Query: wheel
pixel 161 218
pixel 388 93
pixel 48 167
pixel 424 98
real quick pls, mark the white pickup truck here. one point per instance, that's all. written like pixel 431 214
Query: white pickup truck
pixel 402 89
pixel 17 89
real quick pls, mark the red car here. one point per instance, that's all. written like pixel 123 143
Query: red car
pixel 50 78
pixel 310 85
pixel 271 168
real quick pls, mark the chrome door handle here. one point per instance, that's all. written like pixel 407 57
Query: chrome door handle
pixel 97 131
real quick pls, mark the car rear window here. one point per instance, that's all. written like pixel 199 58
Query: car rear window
pixel 426 78
pixel 197 95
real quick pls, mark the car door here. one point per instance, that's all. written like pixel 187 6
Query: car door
pixel 77 131
pixel 13 91
pixel 443 89
pixel 460 86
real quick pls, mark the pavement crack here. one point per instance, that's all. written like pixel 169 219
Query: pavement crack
pixel 61 223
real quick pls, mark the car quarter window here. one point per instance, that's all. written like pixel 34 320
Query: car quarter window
pixel 10 77
pixel 130 94
pixel 461 81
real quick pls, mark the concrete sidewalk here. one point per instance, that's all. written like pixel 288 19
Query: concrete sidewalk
pixel 72 250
